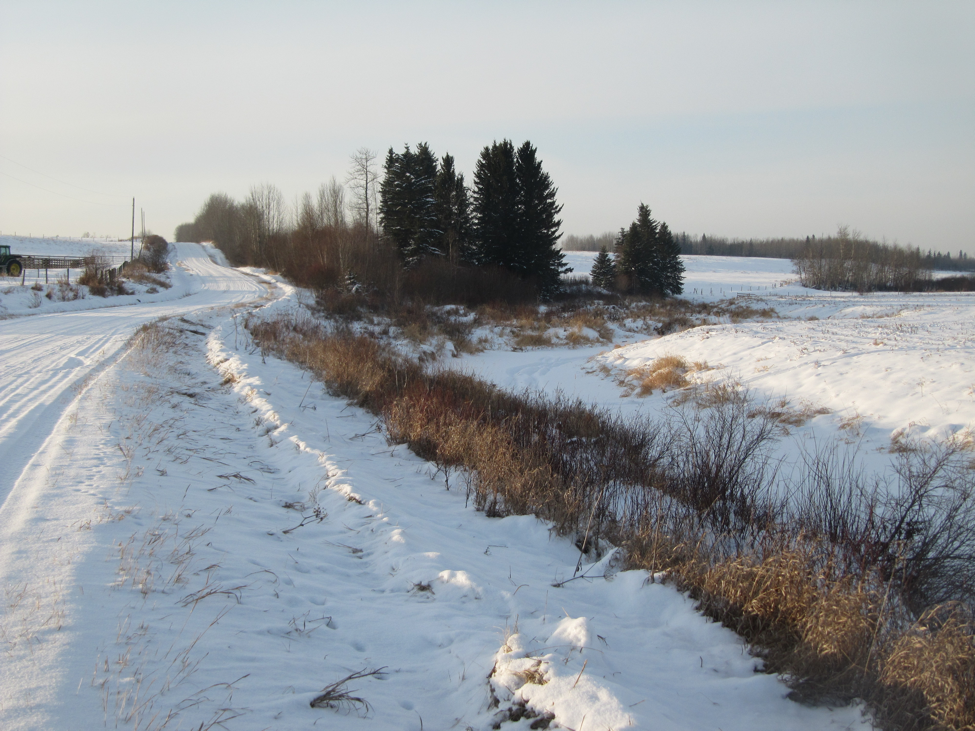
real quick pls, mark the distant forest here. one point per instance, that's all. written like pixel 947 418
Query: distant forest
pixel 781 248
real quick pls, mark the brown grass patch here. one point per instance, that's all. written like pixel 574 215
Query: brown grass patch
pixel 532 339
pixel 665 372
pixel 786 414
pixel 936 659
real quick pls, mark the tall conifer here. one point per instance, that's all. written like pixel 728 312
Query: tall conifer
pixel 453 211
pixel 495 200
pixel 648 256
pixel 516 224
pixel 603 273
pixel 407 205
pixel 538 254
pixel 671 267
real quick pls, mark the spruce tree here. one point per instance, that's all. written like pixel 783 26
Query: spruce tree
pixel 407 208
pixel 603 272
pixel 648 257
pixel 392 198
pixel 453 212
pixel 671 266
pixel 516 224
pixel 538 254
pixel 636 253
pixel 495 199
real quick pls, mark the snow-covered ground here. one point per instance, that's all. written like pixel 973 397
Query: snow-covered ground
pixel 883 365
pixel 70 247
pixel 56 290
pixel 716 278
pixel 193 535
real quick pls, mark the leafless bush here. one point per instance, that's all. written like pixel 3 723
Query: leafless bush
pixel 155 251
pixel 916 527
pixel 65 291
pixel 137 271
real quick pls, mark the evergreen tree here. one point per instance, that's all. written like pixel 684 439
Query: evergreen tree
pixel 636 254
pixel 407 206
pixel 671 266
pixel 538 254
pixel 495 198
pixel 516 224
pixel 603 272
pixel 648 256
pixel 453 211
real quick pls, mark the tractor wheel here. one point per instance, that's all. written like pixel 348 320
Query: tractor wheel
pixel 14 268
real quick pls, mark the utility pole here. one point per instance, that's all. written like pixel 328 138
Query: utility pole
pixel 132 242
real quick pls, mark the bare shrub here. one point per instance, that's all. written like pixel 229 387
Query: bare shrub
pixel 91 277
pixel 137 271
pixel 65 291
pixel 155 251
pixel 100 277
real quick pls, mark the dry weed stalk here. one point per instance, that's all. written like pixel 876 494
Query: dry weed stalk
pixel 337 695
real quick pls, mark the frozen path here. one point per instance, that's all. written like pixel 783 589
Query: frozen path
pixel 46 359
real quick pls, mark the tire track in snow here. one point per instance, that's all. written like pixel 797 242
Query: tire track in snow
pixel 47 359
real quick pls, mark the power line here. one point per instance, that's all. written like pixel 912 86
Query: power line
pixel 56 180
pixel 63 195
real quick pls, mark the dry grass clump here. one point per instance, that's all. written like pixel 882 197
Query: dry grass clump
pixel 665 372
pixel 533 675
pixel 532 339
pixel 740 313
pixel 137 271
pixel 936 659
pixel 902 442
pixel 826 582
pixel 788 415
pixel 666 316
pixel 337 695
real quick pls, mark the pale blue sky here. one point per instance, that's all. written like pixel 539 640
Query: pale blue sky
pixel 747 119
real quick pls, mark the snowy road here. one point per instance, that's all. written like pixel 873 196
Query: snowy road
pixel 45 360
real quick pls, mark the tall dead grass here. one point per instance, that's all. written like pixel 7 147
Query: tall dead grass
pixel 853 587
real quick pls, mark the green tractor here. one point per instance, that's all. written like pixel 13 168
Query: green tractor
pixel 10 264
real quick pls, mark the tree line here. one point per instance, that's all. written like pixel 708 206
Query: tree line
pixel 773 248
pixel 419 224
pixel 849 262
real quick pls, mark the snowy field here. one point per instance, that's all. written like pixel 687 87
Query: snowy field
pixel 195 536
pixel 715 278
pixel 38 292
pixel 883 365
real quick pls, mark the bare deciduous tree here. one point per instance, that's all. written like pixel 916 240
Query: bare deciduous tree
pixel 331 204
pixel 266 208
pixel 362 179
